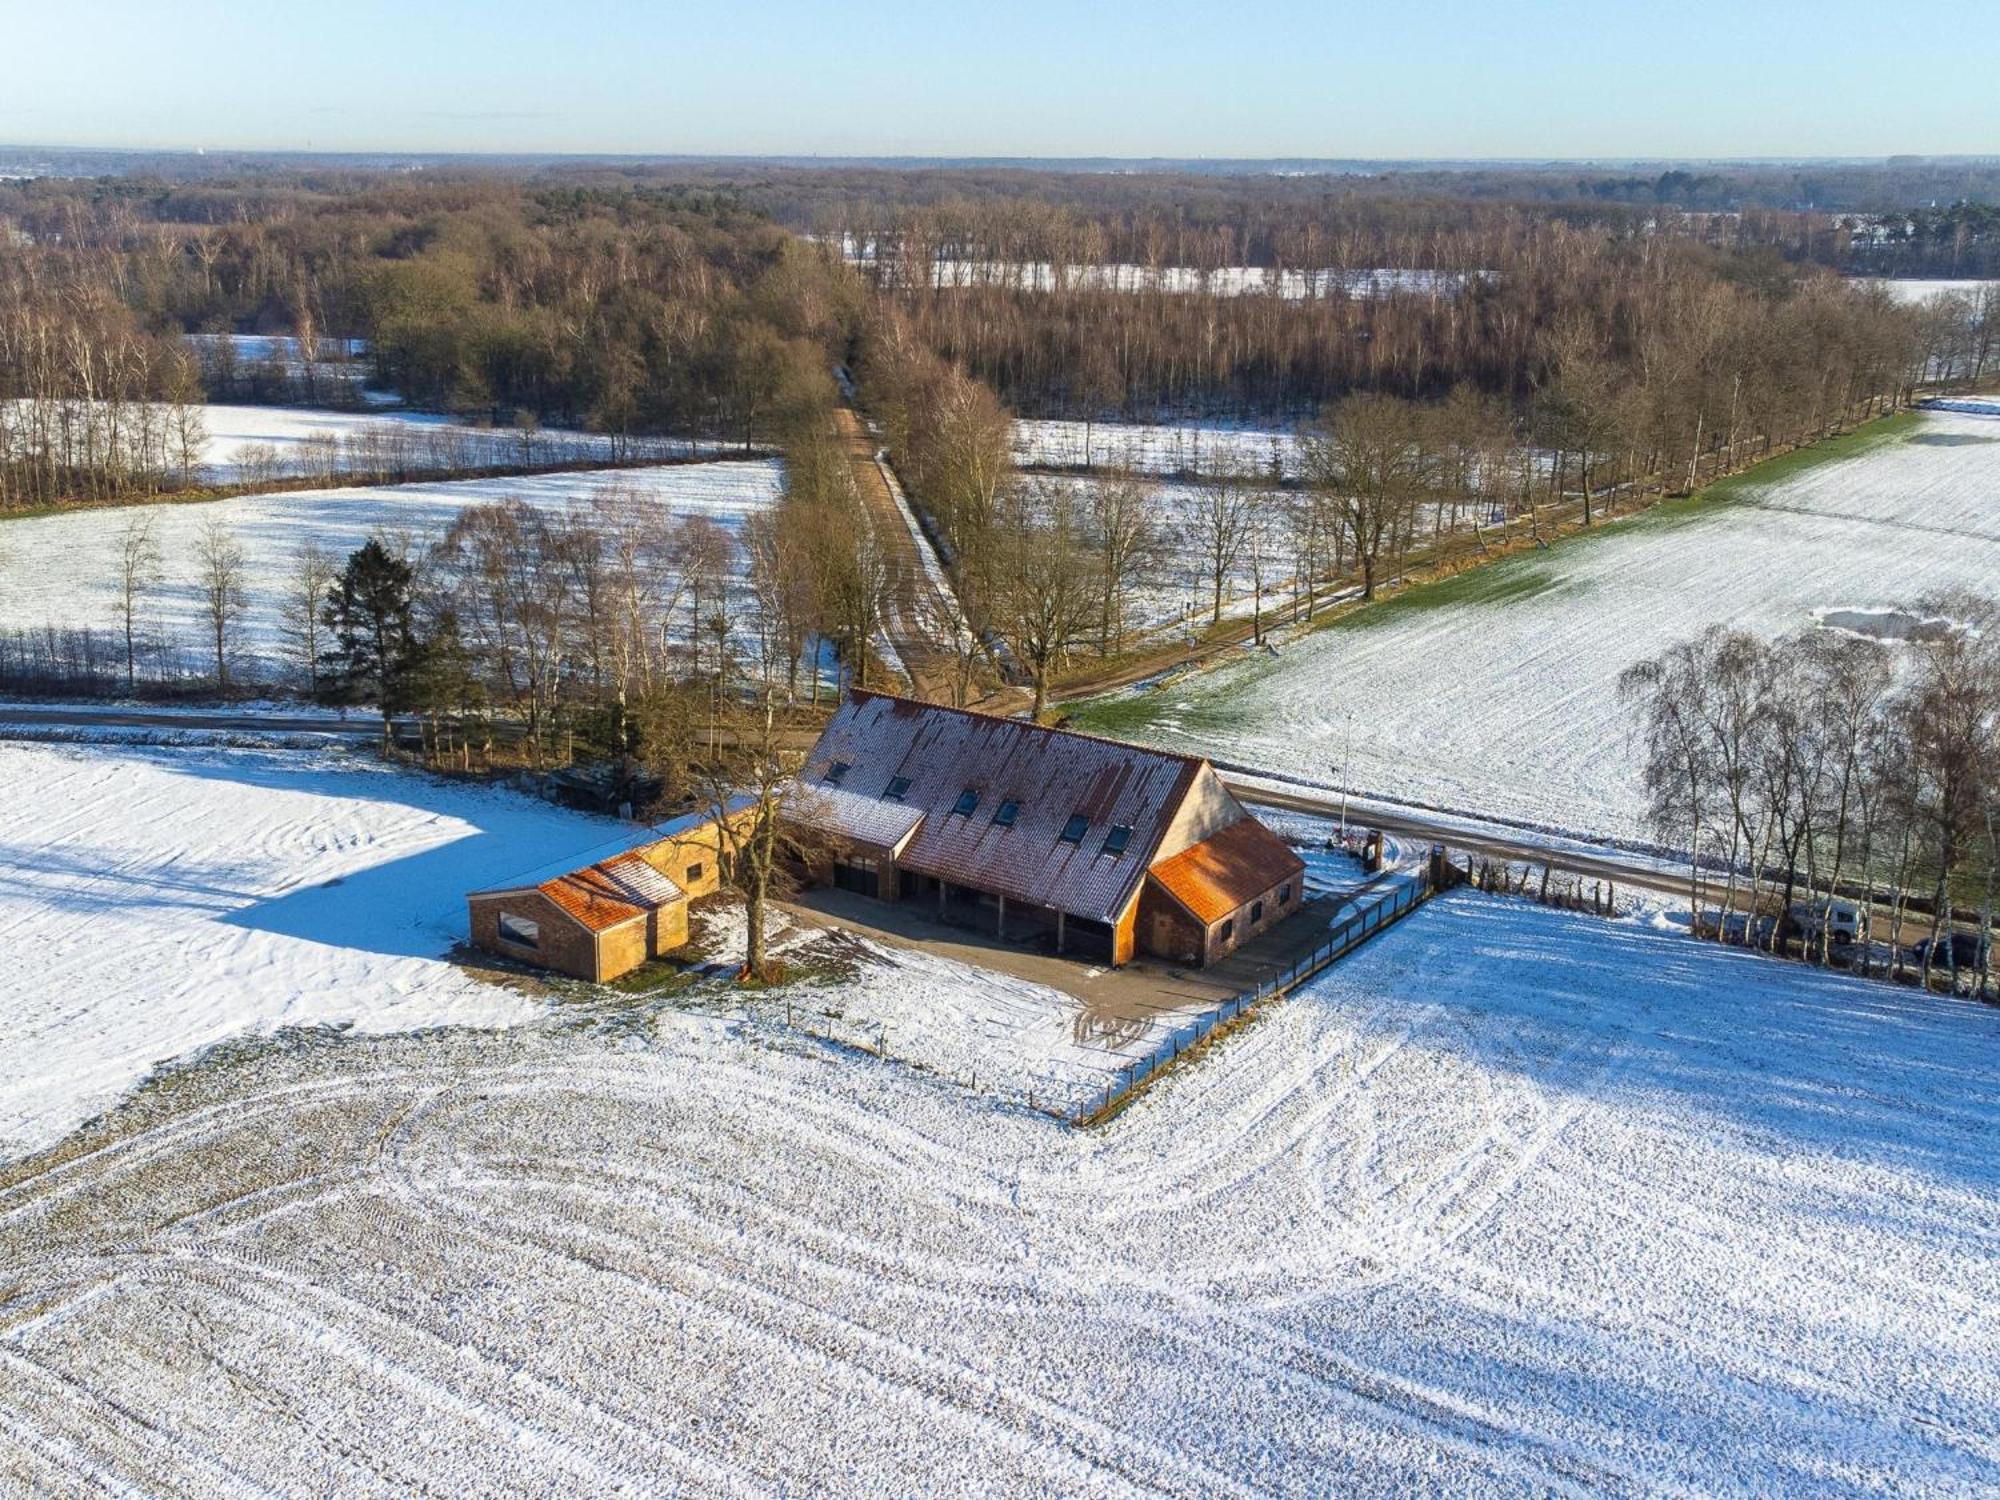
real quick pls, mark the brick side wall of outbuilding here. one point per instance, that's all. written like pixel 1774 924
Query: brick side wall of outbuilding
pixel 564 943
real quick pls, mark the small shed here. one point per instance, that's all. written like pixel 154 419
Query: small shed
pixel 595 923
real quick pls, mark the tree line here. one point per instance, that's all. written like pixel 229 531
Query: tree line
pixel 1826 767
pixel 631 311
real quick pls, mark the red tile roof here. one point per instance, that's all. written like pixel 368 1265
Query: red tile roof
pixel 1051 773
pixel 602 896
pixel 1228 870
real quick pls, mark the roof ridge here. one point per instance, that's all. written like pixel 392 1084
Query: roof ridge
pixel 856 694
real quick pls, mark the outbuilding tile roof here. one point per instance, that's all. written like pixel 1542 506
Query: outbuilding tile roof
pixel 1228 870
pixel 604 895
pixel 1053 776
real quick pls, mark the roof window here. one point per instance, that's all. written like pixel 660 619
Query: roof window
pixel 967 801
pixel 1116 840
pixel 837 772
pixel 1075 828
pixel 1007 812
pixel 898 785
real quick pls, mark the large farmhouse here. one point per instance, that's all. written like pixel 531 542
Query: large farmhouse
pixel 1110 848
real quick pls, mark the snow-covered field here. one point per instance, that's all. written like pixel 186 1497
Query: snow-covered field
pixel 1293 285
pixel 63 569
pixel 1178 583
pixel 185 897
pixel 247 442
pixel 1151 448
pixel 1921 290
pixel 157 902
pixel 1508 706
pixel 1512 1202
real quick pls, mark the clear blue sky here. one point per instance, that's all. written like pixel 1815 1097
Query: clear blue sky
pixel 1392 78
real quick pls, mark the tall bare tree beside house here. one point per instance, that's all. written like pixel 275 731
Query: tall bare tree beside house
pixel 219 565
pixel 138 574
pixel 1043 592
pixel 765 822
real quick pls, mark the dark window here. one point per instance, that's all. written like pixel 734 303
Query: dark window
pixel 898 785
pixel 694 873
pixel 1116 840
pixel 519 931
pixel 1256 913
pixel 967 800
pixel 1229 929
pixel 1008 812
pixel 1285 896
pixel 1075 828
pixel 836 771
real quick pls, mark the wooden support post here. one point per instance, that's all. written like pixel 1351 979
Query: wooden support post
pixel 1059 932
pixel 1000 922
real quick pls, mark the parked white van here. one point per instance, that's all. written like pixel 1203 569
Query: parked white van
pixel 1840 920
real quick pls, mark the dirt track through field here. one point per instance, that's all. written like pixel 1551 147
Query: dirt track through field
pixel 915 615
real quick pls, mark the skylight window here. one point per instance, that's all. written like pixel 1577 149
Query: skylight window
pixel 1075 828
pixel 1116 840
pixel 967 801
pixel 898 786
pixel 836 772
pixel 1007 813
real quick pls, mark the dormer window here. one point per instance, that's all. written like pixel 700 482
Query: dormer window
pixel 1008 811
pixel 967 801
pixel 1075 828
pixel 898 787
pixel 1116 840
pixel 836 772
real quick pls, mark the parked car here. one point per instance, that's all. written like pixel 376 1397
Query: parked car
pixel 1738 929
pixel 1954 950
pixel 1839 921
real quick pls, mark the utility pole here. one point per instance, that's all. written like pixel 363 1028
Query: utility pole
pixel 1346 768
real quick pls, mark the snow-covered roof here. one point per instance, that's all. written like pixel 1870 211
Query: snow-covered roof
pixel 865 820
pixel 1050 775
pixel 633 837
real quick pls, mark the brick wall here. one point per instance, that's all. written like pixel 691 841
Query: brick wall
pixel 562 944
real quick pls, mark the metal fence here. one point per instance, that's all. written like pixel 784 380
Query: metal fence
pixel 1404 897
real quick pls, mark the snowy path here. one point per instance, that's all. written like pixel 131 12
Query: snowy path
pixel 1511 1202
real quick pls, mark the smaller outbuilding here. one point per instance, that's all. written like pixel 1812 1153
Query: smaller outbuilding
pixel 603 919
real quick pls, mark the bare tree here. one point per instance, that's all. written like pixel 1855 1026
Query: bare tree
pixel 1043 586
pixel 1222 519
pixel 1364 455
pixel 1126 539
pixel 138 574
pixel 219 573
pixel 302 625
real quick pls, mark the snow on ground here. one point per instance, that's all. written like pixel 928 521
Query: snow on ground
pixel 1511 1202
pixel 1178 584
pixel 62 569
pixel 1224 281
pixel 245 441
pixel 1917 289
pixel 1150 448
pixel 1508 706
pixel 157 902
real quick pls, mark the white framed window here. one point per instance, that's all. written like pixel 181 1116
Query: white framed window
pixel 522 932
